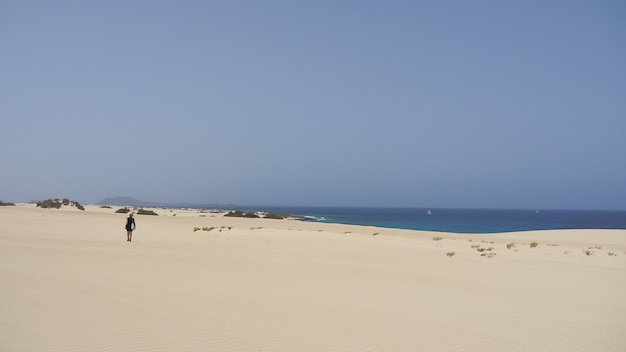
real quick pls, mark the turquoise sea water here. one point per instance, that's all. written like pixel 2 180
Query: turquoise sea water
pixel 461 220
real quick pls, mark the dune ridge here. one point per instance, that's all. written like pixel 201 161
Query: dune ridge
pixel 69 281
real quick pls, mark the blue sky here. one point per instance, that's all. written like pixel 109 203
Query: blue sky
pixel 497 104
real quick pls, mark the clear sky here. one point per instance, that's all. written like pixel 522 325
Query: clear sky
pixel 477 104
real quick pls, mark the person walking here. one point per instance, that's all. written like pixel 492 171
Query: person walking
pixel 130 226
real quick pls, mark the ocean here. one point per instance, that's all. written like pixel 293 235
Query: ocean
pixel 460 220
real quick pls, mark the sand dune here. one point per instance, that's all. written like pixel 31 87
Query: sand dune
pixel 69 281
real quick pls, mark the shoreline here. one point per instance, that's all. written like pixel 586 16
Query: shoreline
pixel 70 281
pixel 286 212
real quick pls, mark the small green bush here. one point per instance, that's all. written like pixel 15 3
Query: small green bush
pixel 510 245
pixel 534 244
pixel 123 211
pixel 450 254
pixel 146 212
pixel 437 238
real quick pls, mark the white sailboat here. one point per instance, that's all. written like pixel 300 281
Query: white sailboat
pixel 429 212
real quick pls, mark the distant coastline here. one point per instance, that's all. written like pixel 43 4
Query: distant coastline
pixel 134 202
pixel 427 219
pixel 460 220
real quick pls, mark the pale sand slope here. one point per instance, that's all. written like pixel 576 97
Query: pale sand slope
pixel 69 281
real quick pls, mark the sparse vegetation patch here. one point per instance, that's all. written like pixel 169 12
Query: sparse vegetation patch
pixel 275 216
pixel 57 203
pixel 485 252
pixel 211 228
pixel 241 214
pixel 264 215
pixel 6 204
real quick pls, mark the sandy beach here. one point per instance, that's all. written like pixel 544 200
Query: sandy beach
pixel 199 281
